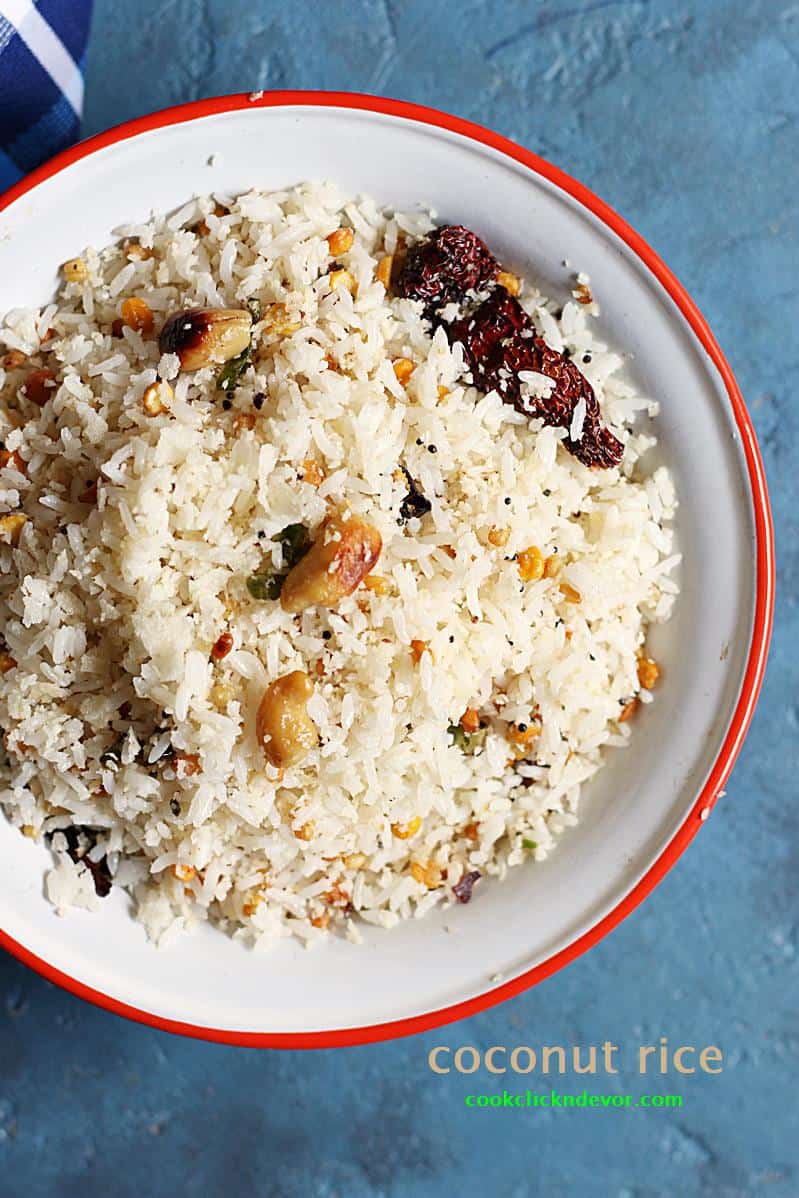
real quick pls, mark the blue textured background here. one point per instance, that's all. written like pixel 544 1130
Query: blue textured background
pixel 684 117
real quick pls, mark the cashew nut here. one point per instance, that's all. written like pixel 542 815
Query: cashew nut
pixel 206 336
pixel 284 729
pixel 337 562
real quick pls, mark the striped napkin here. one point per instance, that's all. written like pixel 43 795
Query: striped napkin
pixel 42 48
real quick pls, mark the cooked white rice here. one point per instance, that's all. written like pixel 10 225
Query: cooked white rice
pixel 111 607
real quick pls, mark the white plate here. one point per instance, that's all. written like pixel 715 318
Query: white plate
pixel 649 801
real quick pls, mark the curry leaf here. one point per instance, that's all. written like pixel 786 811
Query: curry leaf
pixel 232 371
pixel 265 586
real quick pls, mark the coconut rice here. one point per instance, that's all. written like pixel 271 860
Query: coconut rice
pixel 131 748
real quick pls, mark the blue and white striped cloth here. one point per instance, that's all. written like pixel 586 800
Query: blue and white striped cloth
pixel 42 48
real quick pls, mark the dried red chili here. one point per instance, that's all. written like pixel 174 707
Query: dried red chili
pixel 415 504
pixel 222 647
pixel 463 889
pixel 500 340
pixel 81 839
pixel 446 264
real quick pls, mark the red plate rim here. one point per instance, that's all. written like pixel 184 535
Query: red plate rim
pixel 764 565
